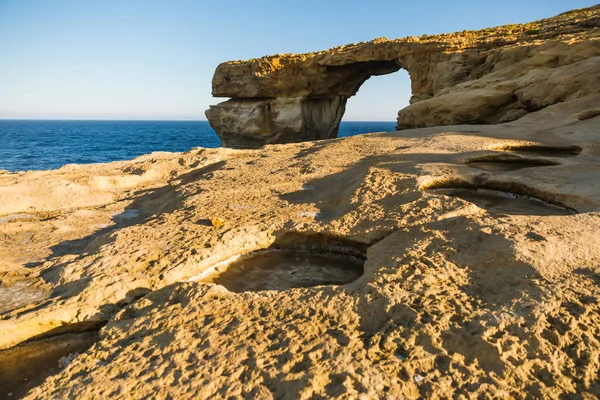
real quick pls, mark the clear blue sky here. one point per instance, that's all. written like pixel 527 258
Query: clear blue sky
pixel 144 59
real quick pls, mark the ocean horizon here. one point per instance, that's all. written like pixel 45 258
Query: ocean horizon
pixel 44 144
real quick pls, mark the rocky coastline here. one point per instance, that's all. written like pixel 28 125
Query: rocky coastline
pixel 472 231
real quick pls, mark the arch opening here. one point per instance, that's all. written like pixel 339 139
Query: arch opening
pixel 374 108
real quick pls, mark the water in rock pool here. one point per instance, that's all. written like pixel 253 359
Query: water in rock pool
pixel 500 166
pixel 505 203
pixel 29 364
pixel 40 145
pixel 286 269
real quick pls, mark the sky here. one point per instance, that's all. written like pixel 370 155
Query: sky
pixel 145 59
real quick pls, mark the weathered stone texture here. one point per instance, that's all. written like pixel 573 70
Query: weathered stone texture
pixel 485 77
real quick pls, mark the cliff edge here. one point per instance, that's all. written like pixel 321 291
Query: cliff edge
pixel 489 76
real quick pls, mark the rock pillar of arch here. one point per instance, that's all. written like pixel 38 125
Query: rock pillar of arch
pixel 286 99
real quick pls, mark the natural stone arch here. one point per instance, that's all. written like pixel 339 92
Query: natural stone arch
pixel 294 98
pixel 291 110
pixel 469 77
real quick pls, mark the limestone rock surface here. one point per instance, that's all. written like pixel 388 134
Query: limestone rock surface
pixel 252 123
pixel 471 77
pixel 481 274
pixel 480 241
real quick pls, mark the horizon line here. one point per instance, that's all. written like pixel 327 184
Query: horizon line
pixel 143 120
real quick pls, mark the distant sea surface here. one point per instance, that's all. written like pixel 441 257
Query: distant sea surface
pixel 39 145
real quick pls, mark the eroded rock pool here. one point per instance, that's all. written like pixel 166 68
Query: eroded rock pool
pixel 286 269
pixel 27 365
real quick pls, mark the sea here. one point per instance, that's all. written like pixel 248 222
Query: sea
pixel 50 144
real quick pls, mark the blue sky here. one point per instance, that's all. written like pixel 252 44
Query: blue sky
pixel 144 59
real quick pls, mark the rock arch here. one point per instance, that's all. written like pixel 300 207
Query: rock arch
pixel 296 101
pixel 472 77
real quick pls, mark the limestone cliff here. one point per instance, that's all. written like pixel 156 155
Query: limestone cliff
pixel 480 242
pixel 488 76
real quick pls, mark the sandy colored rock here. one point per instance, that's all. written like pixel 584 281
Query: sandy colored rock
pixel 472 77
pixel 458 297
pixel 480 242
pixel 251 124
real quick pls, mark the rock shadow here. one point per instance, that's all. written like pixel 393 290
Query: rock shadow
pixel 315 148
pixel 333 194
pixel 507 162
pixel 543 150
pixel 146 205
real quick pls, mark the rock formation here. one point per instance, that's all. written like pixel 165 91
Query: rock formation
pixel 469 287
pixel 480 246
pixel 471 77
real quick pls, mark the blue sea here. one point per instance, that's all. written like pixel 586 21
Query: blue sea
pixel 39 145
